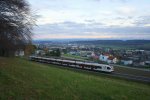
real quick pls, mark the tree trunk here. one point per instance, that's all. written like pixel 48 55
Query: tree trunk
pixel 6 53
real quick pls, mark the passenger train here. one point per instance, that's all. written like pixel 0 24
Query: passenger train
pixel 76 64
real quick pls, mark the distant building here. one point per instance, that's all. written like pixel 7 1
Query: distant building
pixel 104 57
pixel 112 59
pixel 19 53
pixel 147 62
pixel 89 55
pixel 108 58
pixel 142 63
pixel 39 52
pixel 127 62
pixel 73 52
pixel 94 56
pixel 139 64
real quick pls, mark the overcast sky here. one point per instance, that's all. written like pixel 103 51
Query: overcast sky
pixel 103 19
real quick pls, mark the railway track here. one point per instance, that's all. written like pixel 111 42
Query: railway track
pixel 121 75
pixel 132 77
pixel 114 74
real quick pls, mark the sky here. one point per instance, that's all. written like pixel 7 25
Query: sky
pixel 96 19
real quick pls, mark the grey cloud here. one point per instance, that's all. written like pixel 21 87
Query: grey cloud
pixel 72 28
pixel 124 18
pixel 142 20
pixel 90 20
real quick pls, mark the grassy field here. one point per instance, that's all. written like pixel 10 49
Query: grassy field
pixel 21 79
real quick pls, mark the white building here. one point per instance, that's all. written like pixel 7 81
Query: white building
pixel 19 53
pixel 103 57
pixel 127 62
pixel 39 52
pixel 72 52
pixel 112 60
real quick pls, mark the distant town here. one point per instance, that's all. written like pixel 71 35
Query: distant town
pixel 95 53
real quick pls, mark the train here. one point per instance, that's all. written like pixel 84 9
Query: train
pixel 72 63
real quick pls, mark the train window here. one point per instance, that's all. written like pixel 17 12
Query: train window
pixel 100 67
pixel 108 68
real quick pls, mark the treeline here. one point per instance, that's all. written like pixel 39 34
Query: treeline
pixel 116 42
pixel 138 44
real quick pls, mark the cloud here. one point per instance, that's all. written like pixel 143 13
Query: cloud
pixel 126 10
pixel 85 18
pixel 90 20
pixel 97 0
pixel 143 21
pixel 66 29
pixel 112 0
pixel 106 13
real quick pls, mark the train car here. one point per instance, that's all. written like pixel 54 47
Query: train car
pixel 71 63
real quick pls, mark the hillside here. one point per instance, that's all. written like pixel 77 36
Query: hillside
pixel 22 79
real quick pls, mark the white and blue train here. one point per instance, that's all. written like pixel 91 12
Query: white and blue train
pixel 76 64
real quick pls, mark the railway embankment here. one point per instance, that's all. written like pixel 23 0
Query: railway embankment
pixel 23 79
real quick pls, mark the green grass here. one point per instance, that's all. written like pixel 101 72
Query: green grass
pixel 21 79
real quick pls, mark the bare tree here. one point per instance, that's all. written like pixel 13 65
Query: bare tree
pixel 15 25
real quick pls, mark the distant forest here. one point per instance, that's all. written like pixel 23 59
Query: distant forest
pixel 116 42
pixel 137 44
